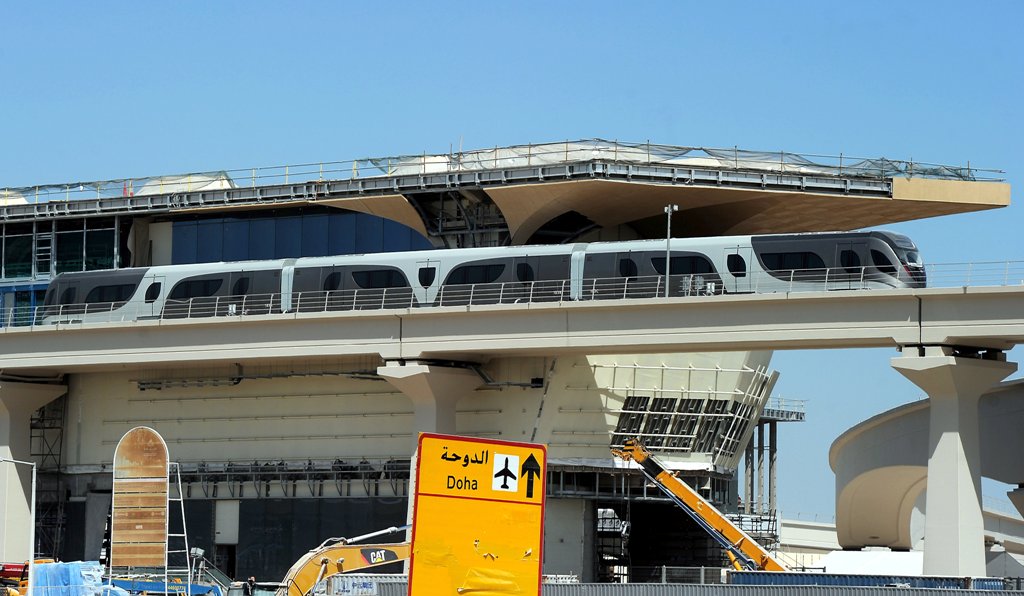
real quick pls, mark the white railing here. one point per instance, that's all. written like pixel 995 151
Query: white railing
pixel 531 155
pixel 1006 273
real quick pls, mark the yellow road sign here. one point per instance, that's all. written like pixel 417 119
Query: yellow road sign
pixel 478 516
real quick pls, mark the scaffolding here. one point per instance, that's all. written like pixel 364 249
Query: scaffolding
pixel 47 440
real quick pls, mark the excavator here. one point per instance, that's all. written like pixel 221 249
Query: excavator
pixel 341 555
pixel 743 551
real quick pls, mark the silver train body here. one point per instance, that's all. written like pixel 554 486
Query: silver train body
pixel 598 270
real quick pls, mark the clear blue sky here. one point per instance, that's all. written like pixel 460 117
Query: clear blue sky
pixel 116 89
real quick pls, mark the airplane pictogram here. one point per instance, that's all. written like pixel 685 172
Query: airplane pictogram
pixel 505 474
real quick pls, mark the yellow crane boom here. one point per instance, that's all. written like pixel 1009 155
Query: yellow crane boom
pixel 743 551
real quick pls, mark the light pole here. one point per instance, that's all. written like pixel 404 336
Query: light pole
pixel 669 210
pixel 32 521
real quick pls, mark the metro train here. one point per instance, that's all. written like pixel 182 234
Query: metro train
pixel 508 274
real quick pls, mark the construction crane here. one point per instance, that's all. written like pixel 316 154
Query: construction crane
pixel 340 555
pixel 743 551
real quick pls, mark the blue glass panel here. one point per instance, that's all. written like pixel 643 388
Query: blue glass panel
pixel 288 237
pixel 210 245
pixel 261 239
pixel 395 236
pixel 417 241
pixel 342 234
pixel 236 239
pixel 183 242
pixel 369 233
pixel 314 236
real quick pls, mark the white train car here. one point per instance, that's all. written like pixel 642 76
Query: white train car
pixel 580 271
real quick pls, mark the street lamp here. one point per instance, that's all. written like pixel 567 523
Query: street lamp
pixel 669 210
pixel 32 523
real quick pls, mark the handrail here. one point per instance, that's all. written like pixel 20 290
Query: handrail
pixel 982 274
pixel 530 155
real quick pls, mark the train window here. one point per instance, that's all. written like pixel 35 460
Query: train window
pixel 737 265
pixel 152 292
pixel 68 295
pixel 113 293
pixel 476 274
pixel 882 262
pixel 627 268
pixel 850 261
pixel 332 282
pixel 241 287
pixel 195 288
pixel 524 272
pixel 427 276
pixel 683 265
pixel 380 278
pixel 784 261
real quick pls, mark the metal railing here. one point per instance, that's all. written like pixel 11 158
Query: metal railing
pixel 1006 273
pixel 530 155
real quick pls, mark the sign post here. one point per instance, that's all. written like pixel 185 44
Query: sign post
pixel 478 516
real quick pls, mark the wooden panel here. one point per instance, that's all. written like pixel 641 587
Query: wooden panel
pixel 139 513
pixel 131 501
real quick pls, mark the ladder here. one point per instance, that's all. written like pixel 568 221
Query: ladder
pixel 177 543
pixel 43 255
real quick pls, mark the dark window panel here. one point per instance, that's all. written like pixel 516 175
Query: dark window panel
pixel 395 236
pixel 18 256
pixel 210 241
pixel 315 236
pixel 236 240
pixel 99 249
pixel 261 239
pixel 287 237
pixel 99 223
pixel 342 234
pixel 369 233
pixel 69 251
pixel 183 242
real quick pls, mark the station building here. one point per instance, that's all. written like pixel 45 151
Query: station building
pixel 277 454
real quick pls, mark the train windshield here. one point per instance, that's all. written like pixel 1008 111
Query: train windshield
pixel 910 257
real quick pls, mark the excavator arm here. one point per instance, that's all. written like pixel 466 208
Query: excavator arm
pixel 339 555
pixel 743 551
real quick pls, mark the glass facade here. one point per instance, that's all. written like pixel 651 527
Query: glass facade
pixel 35 250
pixel 314 234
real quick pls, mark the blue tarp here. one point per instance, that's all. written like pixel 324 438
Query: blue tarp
pixel 86 579
pixel 77 578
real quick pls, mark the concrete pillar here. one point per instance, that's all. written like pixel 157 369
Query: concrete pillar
pixel 748 472
pixel 760 470
pixel 773 456
pixel 954 530
pixel 434 391
pixel 17 403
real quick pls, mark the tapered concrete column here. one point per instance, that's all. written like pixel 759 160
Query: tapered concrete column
pixel 434 391
pixel 17 403
pixel 954 530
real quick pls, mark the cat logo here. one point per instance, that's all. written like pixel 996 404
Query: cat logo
pixel 376 556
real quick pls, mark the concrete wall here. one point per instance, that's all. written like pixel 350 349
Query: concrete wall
pixel 568 538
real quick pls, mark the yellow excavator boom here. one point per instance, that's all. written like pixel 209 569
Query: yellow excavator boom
pixel 339 555
pixel 743 551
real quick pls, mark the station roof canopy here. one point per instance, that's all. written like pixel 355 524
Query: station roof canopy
pixel 526 187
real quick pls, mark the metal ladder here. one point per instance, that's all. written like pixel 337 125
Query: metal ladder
pixel 43 254
pixel 177 544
